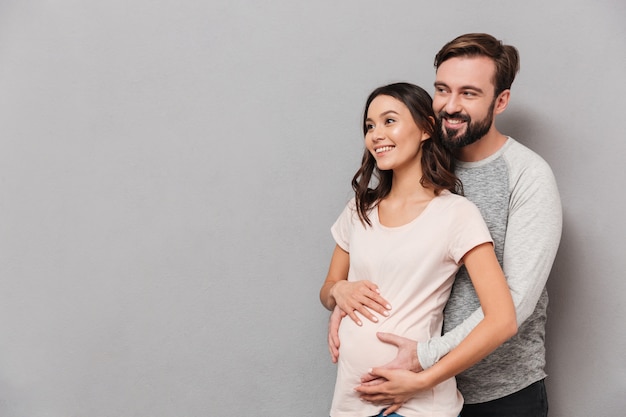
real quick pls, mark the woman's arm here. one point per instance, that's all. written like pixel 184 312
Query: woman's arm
pixel 497 326
pixel 362 296
pixel 337 271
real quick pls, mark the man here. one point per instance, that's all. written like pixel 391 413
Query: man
pixel 517 195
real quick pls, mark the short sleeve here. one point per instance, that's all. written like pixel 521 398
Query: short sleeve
pixel 344 225
pixel 469 228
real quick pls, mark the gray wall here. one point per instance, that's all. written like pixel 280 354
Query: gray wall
pixel 169 171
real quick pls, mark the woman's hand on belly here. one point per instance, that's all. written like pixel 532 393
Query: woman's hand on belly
pixel 362 296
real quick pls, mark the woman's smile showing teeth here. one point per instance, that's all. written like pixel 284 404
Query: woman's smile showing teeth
pixel 383 149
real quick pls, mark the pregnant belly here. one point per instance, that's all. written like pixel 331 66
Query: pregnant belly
pixel 360 349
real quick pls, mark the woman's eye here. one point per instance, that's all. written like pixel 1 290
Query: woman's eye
pixel 390 121
pixel 369 126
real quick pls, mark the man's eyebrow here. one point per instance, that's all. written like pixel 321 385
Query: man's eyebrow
pixel 464 87
pixel 471 87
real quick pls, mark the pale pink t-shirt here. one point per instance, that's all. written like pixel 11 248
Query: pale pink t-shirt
pixel 414 267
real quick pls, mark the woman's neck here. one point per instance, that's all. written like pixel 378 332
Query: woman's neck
pixel 406 185
pixel 406 200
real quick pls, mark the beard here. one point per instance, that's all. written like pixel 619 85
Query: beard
pixel 453 139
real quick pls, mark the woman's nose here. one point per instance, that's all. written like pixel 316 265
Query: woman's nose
pixel 377 134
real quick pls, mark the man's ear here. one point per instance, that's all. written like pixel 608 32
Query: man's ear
pixel 502 101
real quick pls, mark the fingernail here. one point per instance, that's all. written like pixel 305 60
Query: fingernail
pixel 386 313
pixel 359 323
pixel 375 319
pixel 388 306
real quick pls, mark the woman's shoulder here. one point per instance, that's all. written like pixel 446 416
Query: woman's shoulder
pixel 455 201
pixel 350 211
pixel 451 198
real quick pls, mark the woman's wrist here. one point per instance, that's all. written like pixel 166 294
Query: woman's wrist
pixel 332 291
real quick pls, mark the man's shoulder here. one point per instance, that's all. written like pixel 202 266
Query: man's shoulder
pixel 522 160
pixel 530 176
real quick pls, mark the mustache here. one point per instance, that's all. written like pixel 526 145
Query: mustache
pixel 460 116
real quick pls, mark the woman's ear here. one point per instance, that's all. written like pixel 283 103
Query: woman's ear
pixel 425 134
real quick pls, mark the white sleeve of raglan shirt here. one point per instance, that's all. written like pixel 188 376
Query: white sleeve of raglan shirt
pixel 532 239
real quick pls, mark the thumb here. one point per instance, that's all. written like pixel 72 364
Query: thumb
pixel 389 338
pixel 381 372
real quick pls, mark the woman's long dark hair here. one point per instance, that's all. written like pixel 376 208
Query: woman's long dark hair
pixel 437 161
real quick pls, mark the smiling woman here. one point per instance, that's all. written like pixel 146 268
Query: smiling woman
pixel 391 136
pixel 411 129
pixel 406 238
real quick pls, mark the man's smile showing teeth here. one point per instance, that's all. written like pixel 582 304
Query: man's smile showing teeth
pixel 384 149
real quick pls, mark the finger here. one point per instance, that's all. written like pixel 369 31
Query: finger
pixel 390 338
pixel 381 373
pixel 371 286
pixel 367 313
pixel 371 380
pixel 373 299
pixel 375 295
pixel 367 378
pixel 368 306
pixel 371 390
pixel 334 352
pixel 355 318
pixel 381 305
pixel 376 399
pixel 392 409
pixel 333 339
pixel 333 334
pixel 333 356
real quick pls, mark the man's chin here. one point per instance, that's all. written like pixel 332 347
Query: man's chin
pixel 452 142
pixel 453 134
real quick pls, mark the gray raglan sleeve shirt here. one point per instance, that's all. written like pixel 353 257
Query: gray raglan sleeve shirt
pixel 533 233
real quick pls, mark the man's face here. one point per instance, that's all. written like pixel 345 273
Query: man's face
pixel 464 100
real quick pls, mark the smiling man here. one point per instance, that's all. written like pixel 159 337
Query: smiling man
pixel 516 192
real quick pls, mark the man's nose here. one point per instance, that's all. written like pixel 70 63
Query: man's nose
pixel 453 105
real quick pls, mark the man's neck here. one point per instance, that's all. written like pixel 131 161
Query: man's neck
pixel 482 148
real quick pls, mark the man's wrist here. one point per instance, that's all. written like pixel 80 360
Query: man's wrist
pixel 416 365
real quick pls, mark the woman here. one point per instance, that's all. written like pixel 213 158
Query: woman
pixel 406 233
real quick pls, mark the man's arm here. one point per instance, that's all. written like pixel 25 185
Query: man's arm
pixel 532 239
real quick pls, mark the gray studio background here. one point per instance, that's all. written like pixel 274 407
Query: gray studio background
pixel 169 171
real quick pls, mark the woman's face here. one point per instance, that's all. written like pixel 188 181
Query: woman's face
pixel 392 136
